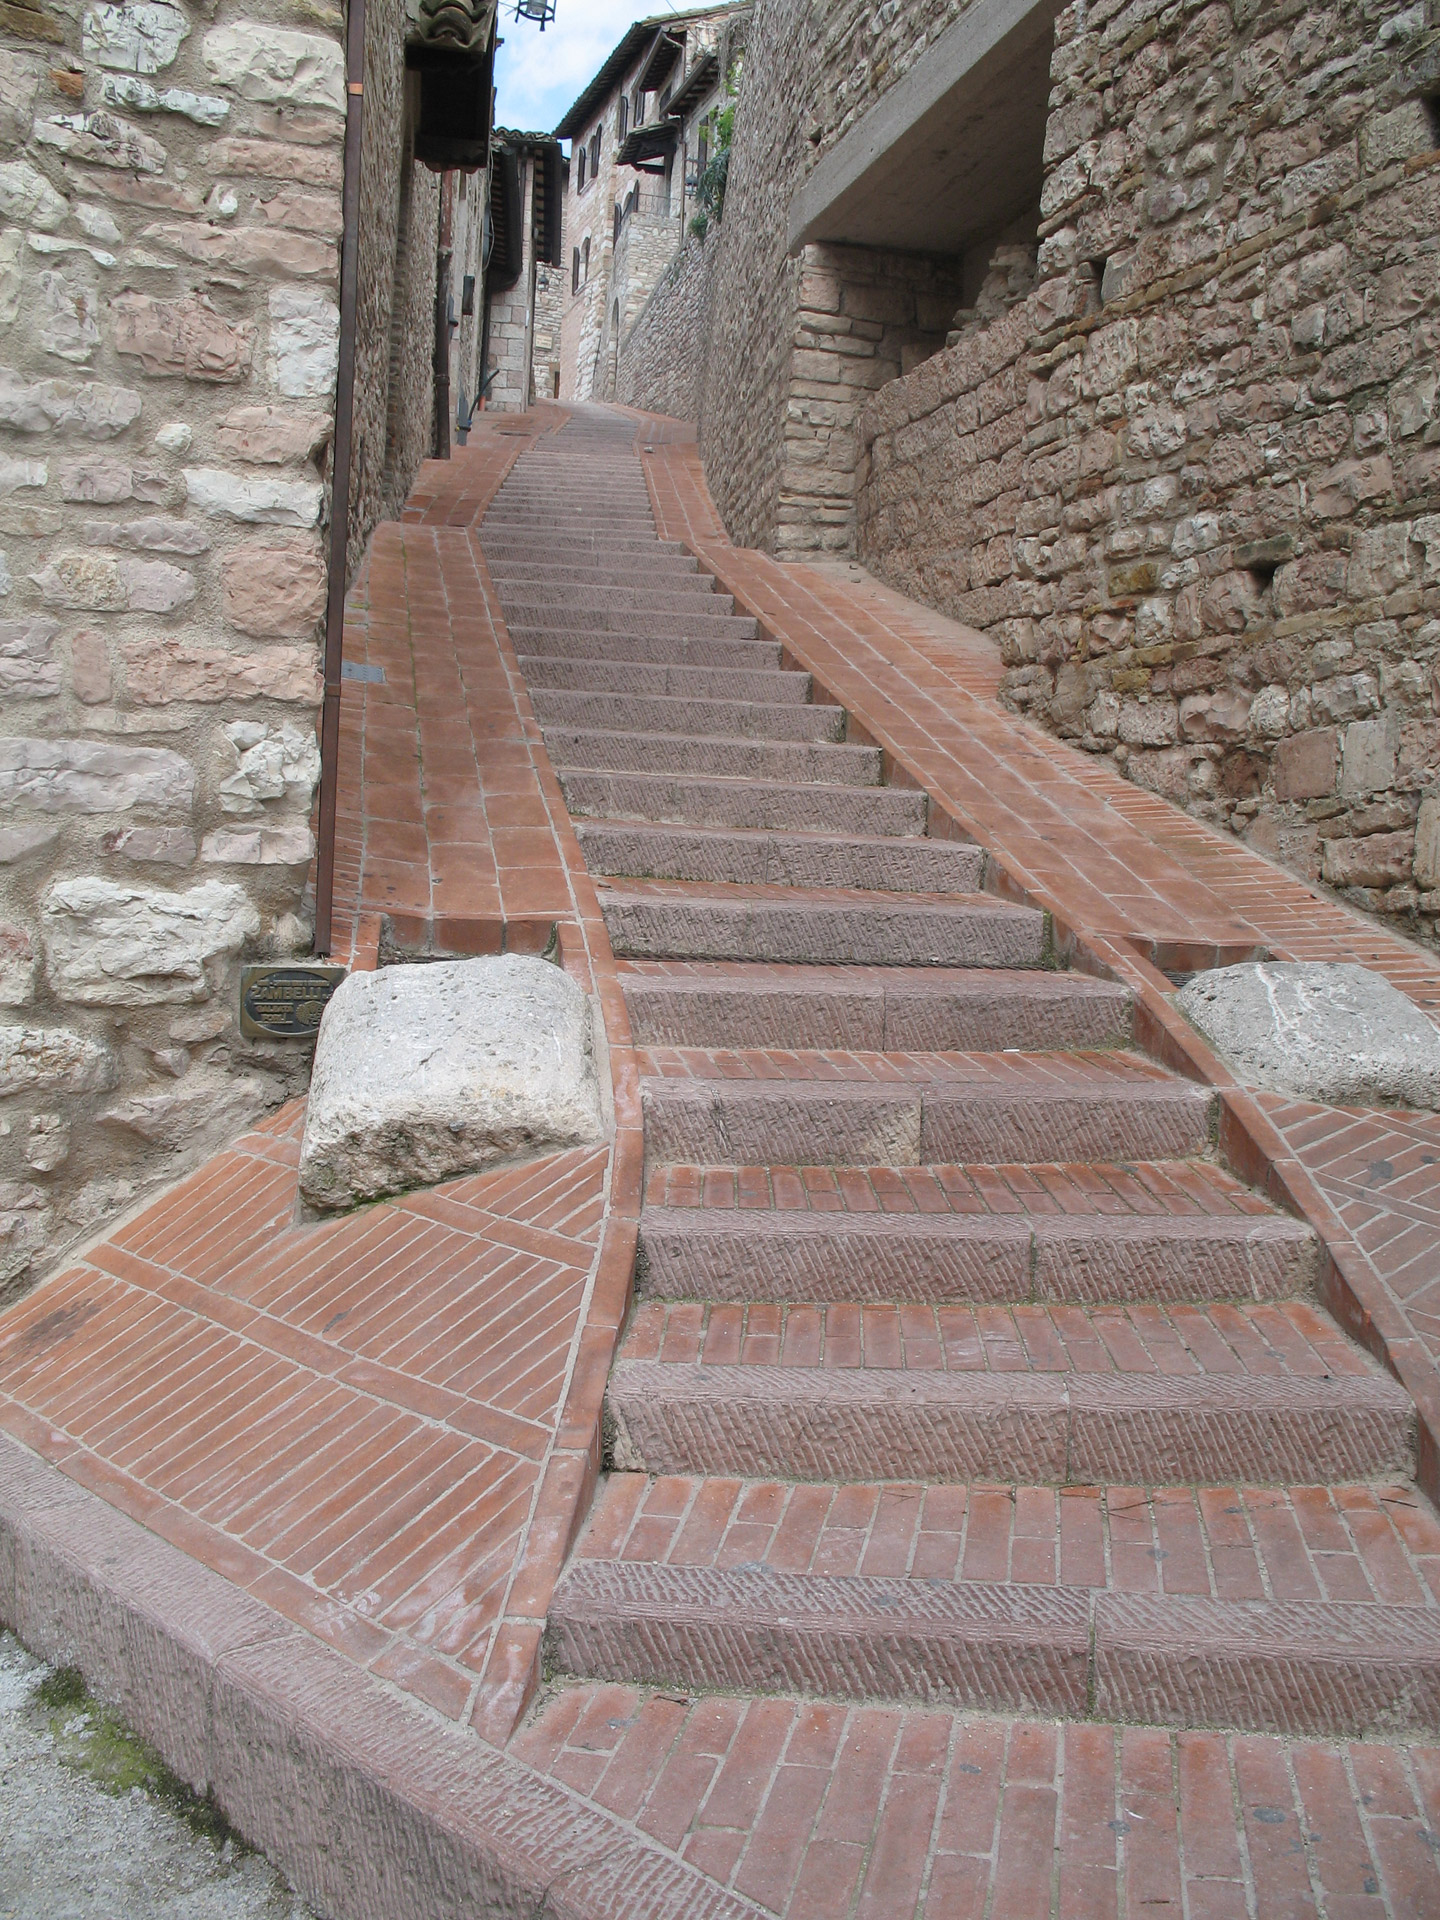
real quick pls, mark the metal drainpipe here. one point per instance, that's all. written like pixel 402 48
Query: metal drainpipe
pixel 340 477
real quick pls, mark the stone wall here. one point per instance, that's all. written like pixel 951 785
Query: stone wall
pixel 754 281
pixel 862 318
pixel 169 222
pixel 1192 481
pixel 662 358
pixel 649 238
pixel 551 284
pixel 395 319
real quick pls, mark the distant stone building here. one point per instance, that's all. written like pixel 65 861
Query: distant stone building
pixel 641 134
pixel 524 282
pixel 170 220
pixel 1111 331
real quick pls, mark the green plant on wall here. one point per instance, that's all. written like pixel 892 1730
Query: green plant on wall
pixel 710 187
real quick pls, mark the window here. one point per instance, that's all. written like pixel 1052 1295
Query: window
pixel 619 216
pixel 585 259
pixel 637 107
pixel 575 271
pixel 622 118
pixel 595 153
pixel 580 174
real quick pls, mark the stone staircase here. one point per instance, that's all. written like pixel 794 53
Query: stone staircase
pixel 925 1241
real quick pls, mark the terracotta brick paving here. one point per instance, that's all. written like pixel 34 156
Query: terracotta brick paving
pixel 349 1419
pixel 1106 856
pixel 387 1428
pixel 817 1810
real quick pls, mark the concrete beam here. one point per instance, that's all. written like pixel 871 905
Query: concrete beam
pixel 952 151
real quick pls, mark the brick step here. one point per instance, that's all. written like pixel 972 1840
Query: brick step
pixel 875 1009
pixel 792 761
pixel 522 542
pixel 535 616
pixel 760 804
pixel 517 570
pixel 801 860
pixel 750 1253
pixel 1266 1666
pixel 1054 1428
pixel 730 719
pixel 662 651
pixel 835 926
pixel 817 1109
pixel 521 513
pixel 678 597
pixel 658 681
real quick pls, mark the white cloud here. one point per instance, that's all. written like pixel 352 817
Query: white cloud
pixel 538 75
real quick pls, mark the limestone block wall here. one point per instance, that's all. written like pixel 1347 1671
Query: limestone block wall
pixel 862 318
pixel 1192 481
pixel 754 284
pixel 662 358
pixel 170 210
pixel 550 288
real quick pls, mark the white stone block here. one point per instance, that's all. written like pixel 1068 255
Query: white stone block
pixel 124 90
pixel 28 197
pixel 53 1060
pixel 92 409
pixel 274 67
pixel 253 497
pixel 1335 1033
pixel 304 342
pixel 88 776
pixel 141 38
pixel 131 946
pixel 288 844
pixel 271 763
pixel 425 1072
pixel 22 473
pixel 102 139
pixel 93 583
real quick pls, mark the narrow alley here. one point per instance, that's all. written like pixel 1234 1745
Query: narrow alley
pixel 957 1450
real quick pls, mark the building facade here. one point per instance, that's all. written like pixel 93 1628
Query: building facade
pixel 170 221
pixel 1111 331
pixel 524 281
pixel 642 135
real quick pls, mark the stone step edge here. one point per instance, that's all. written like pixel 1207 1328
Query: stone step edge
pixel 1287 1667
pixel 1026 1263
pixel 1053 1429
pixel 228 1691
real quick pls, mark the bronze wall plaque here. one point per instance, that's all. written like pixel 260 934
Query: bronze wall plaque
pixel 285 1002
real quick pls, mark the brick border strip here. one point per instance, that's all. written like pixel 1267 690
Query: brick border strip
pixel 374 1807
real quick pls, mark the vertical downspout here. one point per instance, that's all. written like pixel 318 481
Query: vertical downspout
pixel 340 477
pixel 443 264
pixel 528 227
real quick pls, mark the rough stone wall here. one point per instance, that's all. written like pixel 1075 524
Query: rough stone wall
pixel 395 313
pixel 662 358
pixel 550 288
pixel 649 237
pixel 755 282
pixel 508 355
pixel 169 221
pixel 467 235
pixel 1192 481
pixel 863 317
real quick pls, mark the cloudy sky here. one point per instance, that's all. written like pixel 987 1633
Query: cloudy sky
pixel 537 75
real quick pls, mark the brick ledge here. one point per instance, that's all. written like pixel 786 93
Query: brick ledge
pixel 372 1805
